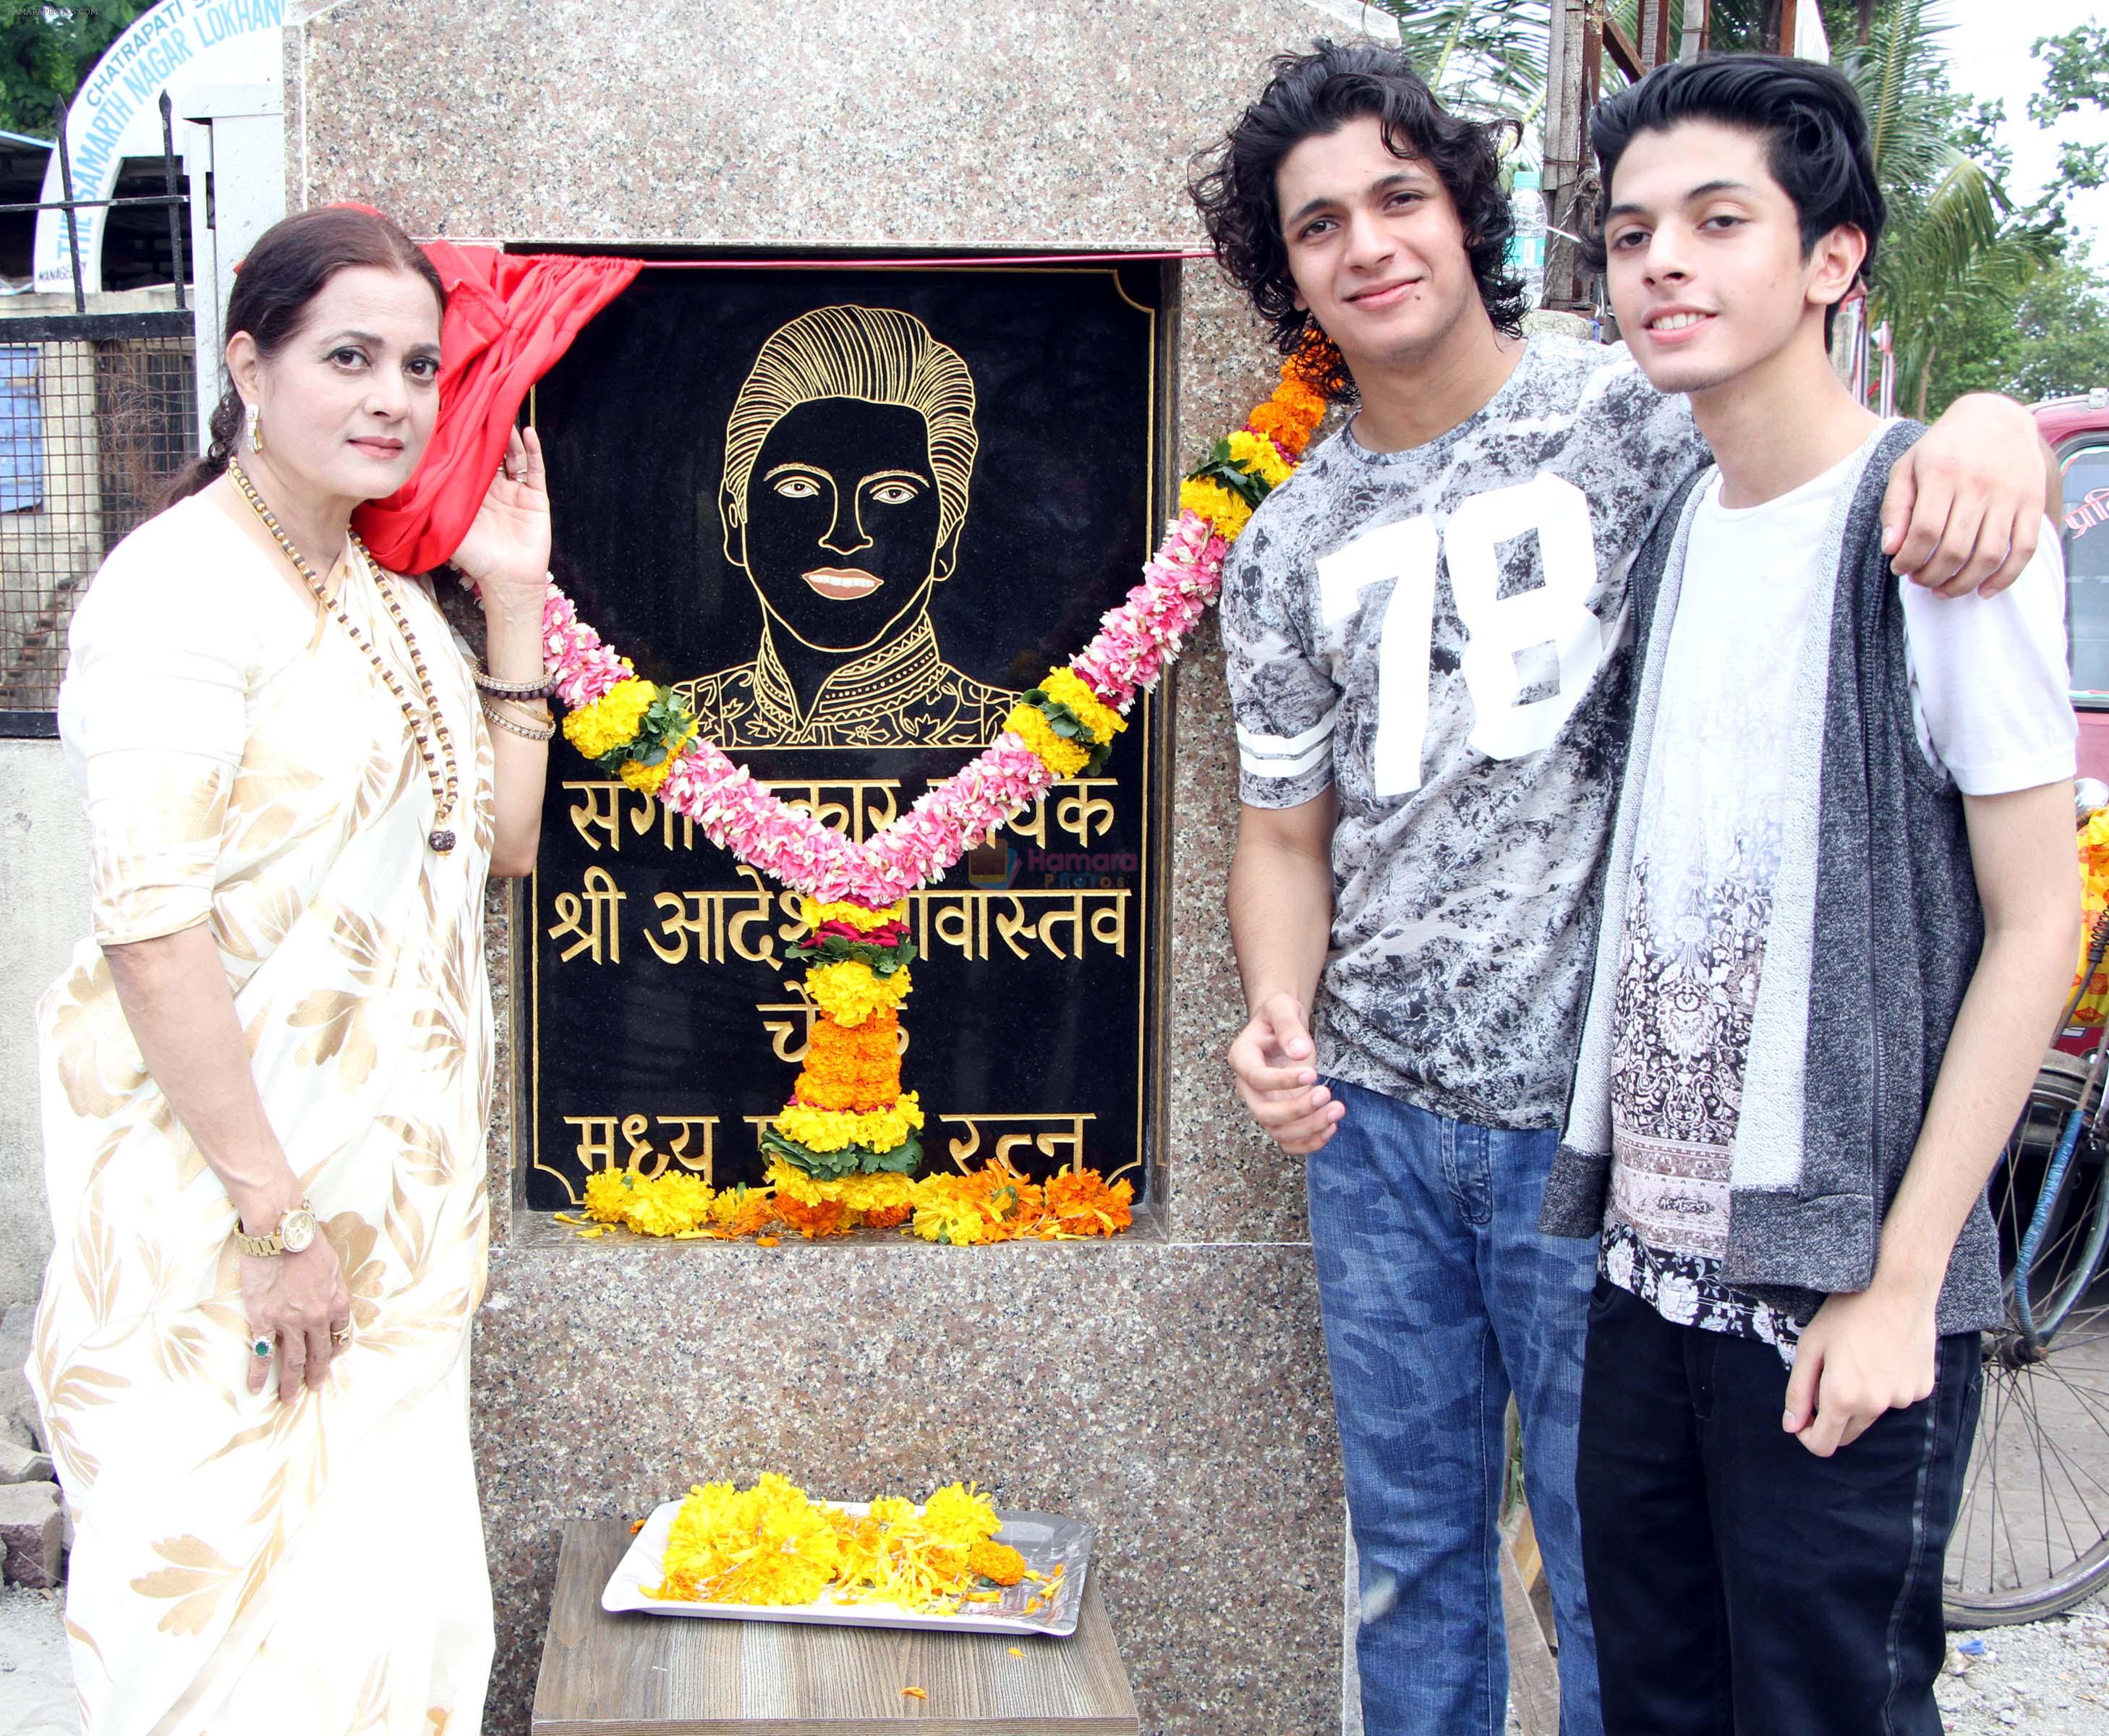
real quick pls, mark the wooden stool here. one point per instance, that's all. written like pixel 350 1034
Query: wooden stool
pixel 636 1675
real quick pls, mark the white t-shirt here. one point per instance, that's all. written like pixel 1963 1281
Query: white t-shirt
pixel 1989 697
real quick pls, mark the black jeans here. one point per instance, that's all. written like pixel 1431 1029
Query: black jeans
pixel 1742 1586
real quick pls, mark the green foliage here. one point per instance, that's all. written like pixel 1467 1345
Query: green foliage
pixel 2076 74
pixel 2048 334
pixel 1070 727
pixel 1955 239
pixel 832 949
pixel 1980 291
pixel 2075 77
pixel 46 51
pixel 2051 340
pixel 832 1166
pixel 665 723
pixel 1483 58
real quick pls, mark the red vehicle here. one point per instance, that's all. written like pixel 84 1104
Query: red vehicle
pixel 2078 431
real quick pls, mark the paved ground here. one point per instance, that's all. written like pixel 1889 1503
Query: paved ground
pixel 36 1686
pixel 2048 1678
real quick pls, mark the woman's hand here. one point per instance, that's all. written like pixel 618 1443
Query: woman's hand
pixel 507 549
pixel 296 1300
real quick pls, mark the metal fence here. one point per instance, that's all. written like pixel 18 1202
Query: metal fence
pixel 98 413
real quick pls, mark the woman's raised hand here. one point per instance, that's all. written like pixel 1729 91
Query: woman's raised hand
pixel 295 1301
pixel 507 549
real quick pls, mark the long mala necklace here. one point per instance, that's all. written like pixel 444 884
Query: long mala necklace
pixel 445 786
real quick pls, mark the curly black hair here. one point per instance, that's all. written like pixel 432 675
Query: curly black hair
pixel 1232 184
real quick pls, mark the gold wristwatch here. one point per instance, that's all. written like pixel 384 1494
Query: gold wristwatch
pixel 295 1231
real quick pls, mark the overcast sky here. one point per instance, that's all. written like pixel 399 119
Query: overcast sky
pixel 1988 57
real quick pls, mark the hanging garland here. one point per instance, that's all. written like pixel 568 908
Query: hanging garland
pixel 844 1150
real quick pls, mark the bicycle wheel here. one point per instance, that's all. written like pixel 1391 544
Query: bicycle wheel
pixel 2032 1537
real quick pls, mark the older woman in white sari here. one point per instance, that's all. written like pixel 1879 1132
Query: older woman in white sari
pixel 265 1077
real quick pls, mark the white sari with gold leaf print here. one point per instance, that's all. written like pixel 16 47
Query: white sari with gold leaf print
pixel 242 1566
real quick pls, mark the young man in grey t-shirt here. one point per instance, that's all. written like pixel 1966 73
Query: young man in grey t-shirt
pixel 1425 635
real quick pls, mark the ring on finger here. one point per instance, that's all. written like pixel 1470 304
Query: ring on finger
pixel 261 1348
pixel 341 1336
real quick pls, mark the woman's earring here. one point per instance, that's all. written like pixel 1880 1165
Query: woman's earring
pixel 255 432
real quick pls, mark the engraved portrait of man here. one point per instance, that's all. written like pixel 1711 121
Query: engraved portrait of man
pixel 848 456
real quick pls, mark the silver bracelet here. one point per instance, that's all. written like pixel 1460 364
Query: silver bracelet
pixel 526 732
pixel 515 689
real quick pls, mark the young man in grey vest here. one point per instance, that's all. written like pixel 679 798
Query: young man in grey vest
pixel 1425 639
pixel 1839 919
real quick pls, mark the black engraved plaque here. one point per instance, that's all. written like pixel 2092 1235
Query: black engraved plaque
pixel 851 513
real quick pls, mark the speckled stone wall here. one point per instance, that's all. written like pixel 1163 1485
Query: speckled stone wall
pixel 1169 1387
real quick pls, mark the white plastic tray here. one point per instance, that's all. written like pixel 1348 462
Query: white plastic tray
pixel 1046 1540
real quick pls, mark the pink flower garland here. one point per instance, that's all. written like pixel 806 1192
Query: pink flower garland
pixel 1137 641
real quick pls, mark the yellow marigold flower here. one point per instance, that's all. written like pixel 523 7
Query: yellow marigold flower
pixel 1226 511
pixel 813 913
pixel 944 1217
pixel 1093 712
pixel 882 1193
pixel 607 1194
pixel 849 991
pixel 766 1544
pixel 793 1183
pixel 742 1211
pixel 834 1129
pixel 1260 457
pixel 640 776
pixel 611 721
pixel 668 1204
pixel 961 1516
pixel 1063 757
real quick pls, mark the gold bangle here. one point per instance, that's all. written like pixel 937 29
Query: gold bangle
pixel 545 732
pixel 514 689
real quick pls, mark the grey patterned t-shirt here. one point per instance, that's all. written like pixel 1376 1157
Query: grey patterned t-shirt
pixel 1440 635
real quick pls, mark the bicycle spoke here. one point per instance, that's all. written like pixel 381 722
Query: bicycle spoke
pixel 2043 1485
pixel 1965 1508
pixel 1993 1518
pixel 1999 1513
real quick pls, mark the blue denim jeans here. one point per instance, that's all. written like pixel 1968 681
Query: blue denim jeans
pixel 1441 1298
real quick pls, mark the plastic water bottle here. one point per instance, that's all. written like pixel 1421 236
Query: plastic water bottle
pixel 1526 257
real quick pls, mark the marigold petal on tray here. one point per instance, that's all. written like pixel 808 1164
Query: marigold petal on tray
pixel 772 1544
pixel 996 1562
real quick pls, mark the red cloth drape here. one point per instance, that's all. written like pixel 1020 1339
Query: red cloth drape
pixel 509 316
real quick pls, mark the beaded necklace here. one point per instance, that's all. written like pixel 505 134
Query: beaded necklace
pixel 444 787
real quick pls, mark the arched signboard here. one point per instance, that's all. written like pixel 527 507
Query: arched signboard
pixel 179 45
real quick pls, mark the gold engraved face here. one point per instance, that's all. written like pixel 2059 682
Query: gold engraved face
pixel 848 457
pixel 841 523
